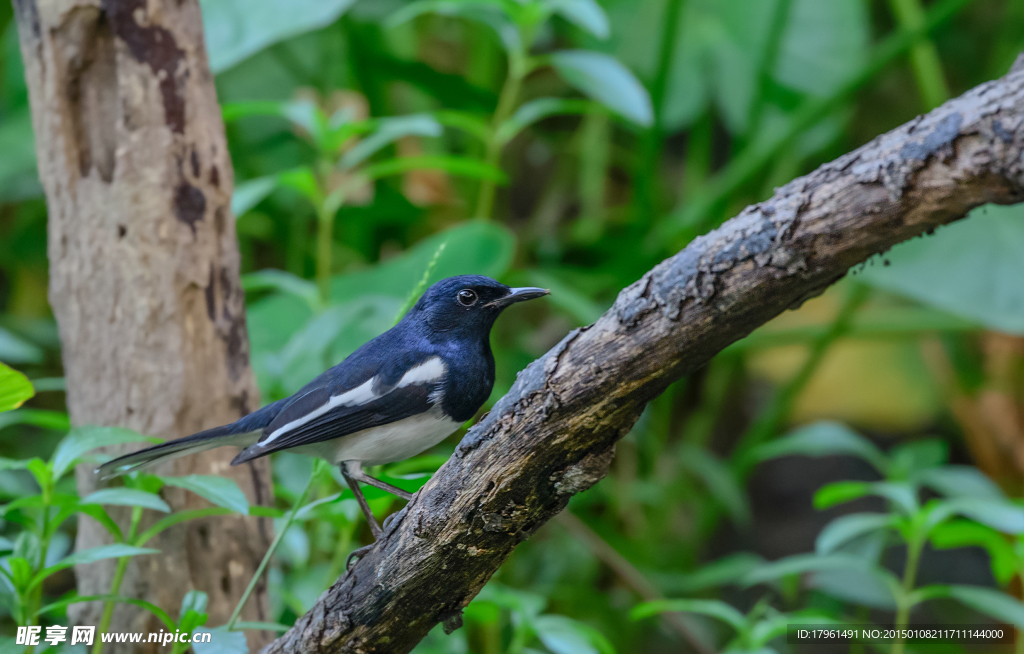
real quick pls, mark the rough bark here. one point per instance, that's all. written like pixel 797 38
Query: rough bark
pixel 144 269
pixel 554 433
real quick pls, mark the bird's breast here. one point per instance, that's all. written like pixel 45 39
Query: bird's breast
pixel 394 441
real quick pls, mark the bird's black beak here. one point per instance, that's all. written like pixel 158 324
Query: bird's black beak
pixel 520 295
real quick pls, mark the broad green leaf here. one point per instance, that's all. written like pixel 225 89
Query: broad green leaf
pixel 539 109
pixel 847 527
pixel 720 481
pixel 285 282
pixel 179 517
pixel 824 439
pixel 127 497
pixel 988 601
pixel 855 587
pixel 725 571
pixel 238 29
pixel 711 608
pixel 563 635
pixel 960 481
pixel 970 268
pixel 221 491
pixel 15 388
pixel 193 610
pixel 91 555
pixel 44 418
pixel 76 599
pixel 232 111
pixel 998 514
pixel 222 642
pixel 909 458
pixel 804 563
pixel 82 440
pixel 474 247
pixel 823 45
pixel 18 177
pixel 603 78
pixel 903 495
pixel 967 533
pixel 584 14
pixel 15 349
pixel 251 192
pixel 13 464
pixel 388 131
pixel 302 180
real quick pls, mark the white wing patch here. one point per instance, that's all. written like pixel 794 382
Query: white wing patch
pixel 430 371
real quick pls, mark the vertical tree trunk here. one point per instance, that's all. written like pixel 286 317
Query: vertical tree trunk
pixel 144 268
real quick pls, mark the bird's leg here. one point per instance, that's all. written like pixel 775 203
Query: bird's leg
pixel 383 485
pixel 353 483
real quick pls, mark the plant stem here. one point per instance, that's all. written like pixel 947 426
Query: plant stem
pixel 914 547
pixel 324 252
pixel 507 100
pixel 924 56
pixel 115 583
pixel 695 216
pixel 273 546
pixel 647 198
pixel 769 420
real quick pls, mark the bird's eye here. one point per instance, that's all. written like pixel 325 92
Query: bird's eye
pixel 467 298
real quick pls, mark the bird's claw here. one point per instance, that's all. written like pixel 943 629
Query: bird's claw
pixel 358 554
pixel 388 520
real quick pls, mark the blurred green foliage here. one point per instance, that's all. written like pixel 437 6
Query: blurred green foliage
pixel 380 145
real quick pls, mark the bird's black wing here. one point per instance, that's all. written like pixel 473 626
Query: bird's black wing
pixel 397 405
pixel 338 405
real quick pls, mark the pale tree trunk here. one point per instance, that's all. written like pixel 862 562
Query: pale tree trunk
pixel 144 270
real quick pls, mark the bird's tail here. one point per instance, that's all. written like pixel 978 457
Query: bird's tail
pixel 242 432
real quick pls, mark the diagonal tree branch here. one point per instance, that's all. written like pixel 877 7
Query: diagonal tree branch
pixel 553 434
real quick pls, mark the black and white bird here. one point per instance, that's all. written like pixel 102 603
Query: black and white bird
pixel 397 395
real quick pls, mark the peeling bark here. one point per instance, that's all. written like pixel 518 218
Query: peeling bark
pixel 553 434
pixel 144 271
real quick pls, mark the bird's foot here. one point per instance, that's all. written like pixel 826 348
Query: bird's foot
pixel 388 520
pixel 359 554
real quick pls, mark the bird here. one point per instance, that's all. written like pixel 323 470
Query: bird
pixel 394 397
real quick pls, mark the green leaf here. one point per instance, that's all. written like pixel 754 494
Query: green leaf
pixel 584 14
pixel 462 166
pixel 15 349
pixel 727 570
pixel 474 248
pixel 222 642
pixel 563 635
pixel 285 282
pixel 221 491
pixel 91 555
pixel 847 527
pixel 988 601
pixel 901 494
pixel 303 181
pixel 232 111
pixel 824 439
pixel 960 481
pixel 909 458
pixel 82 440
pixel 804 563
pixel 251 192
pixel 388 131
pixel 970 268
pixel 854 587
pixel 711 608
pixel 238 29
pixel 127 497
pixel 539 109
pixel 998 514
pixel 179 517
pixel 603 78
pixel 15 388
pixel 43 418
pixel 18 177
pixel 967 533
pixel 77 599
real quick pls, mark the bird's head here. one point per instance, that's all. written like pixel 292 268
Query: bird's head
pixel 468 303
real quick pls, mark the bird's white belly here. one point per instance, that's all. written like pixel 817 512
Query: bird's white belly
pixel 387 443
